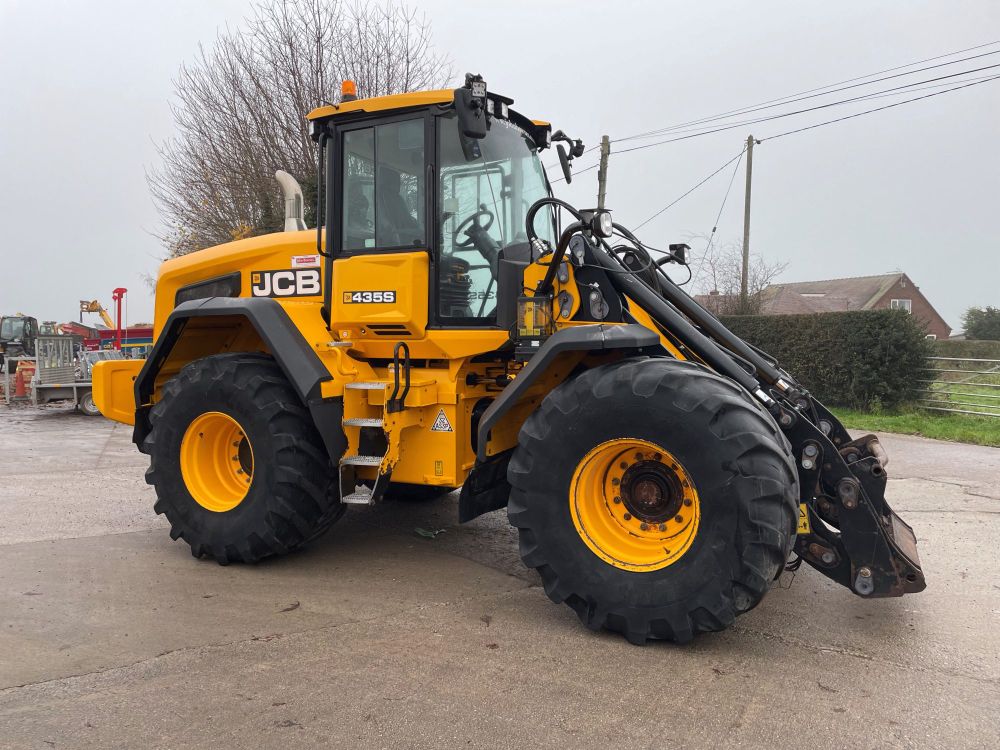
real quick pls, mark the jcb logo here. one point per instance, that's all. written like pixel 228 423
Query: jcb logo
pixel 302 282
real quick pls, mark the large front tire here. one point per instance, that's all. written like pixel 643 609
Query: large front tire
pixel 654 498
pixel 238 466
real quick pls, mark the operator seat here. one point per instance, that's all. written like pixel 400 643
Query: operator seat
pixel 396 225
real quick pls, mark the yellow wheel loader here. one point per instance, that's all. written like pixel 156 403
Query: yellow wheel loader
pixel 456 326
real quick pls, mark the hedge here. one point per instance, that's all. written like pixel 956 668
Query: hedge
pixel 864 359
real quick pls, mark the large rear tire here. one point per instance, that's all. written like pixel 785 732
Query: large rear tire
pixel 238 466
pixel 654 498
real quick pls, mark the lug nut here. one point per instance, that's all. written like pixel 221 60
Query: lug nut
pixel 679 518
pixel 663 527
pixel 687 502
pixel 657 456
pixel 643 527
pixel 616 481
pixel 628 516
pixel 810 450
pixel 638 456
pixel 623 465
pixel 617 500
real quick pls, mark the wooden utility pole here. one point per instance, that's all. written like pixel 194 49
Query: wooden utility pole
pixel 602 171
pixel 745 274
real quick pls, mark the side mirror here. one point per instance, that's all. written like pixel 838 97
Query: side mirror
pixel 564 162
pixel 566 158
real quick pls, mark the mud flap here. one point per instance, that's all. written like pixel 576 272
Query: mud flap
pixel 486 488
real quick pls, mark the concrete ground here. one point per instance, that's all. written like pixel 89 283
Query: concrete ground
pixel 112 635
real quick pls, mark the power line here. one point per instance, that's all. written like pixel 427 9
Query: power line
pixel 718 216
pixel 894 91
pixel 879 109
pixel 811 93
pixel 689 191
pixel 803 111
pixel 913 86
pixel 968 84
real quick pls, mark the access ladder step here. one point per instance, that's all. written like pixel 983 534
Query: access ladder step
pixel 366 385
pixel 364 422
pixel 361 496
pixel 361 461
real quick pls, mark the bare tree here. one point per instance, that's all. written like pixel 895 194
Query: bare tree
pixel 241 105
pixel 718 273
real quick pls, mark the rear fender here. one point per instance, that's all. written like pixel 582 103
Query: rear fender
pixel 216 325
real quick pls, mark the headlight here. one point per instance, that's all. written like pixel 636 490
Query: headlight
pixel 602 224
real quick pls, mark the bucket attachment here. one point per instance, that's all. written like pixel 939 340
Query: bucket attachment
pixel 850 534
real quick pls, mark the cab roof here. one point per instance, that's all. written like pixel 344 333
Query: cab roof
pixel 382 103
pixel 394 101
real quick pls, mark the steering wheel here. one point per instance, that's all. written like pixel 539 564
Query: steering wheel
pixel 474 219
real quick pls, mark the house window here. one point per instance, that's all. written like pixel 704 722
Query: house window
pixel 931 336
pixel 900 304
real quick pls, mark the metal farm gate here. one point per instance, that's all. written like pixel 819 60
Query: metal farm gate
pixel 961 385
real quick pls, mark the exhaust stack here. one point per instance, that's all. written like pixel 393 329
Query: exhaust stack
pixel 294 206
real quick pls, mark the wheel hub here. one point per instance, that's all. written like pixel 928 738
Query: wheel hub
pixel 634 505
pixel 216 461
pixel 651 492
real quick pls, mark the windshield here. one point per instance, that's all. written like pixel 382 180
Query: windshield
pixel 486 188
pixel 11 328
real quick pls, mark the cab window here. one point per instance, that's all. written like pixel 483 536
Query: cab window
pixel 383 192
pixel 485 190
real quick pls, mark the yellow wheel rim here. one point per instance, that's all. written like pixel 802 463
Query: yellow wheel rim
pixel 634 505
pixel 216 461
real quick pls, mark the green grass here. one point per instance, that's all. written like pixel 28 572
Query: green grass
pixel 960 428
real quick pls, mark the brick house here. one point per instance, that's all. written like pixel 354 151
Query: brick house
pixel 894 290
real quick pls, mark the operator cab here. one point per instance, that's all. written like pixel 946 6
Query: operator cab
pixel 449 174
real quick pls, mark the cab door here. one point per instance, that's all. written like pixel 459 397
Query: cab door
pixel 381 229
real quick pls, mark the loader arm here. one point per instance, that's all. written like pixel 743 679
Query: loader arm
pixel 847 530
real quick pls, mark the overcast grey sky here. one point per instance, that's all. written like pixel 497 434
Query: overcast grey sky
pixel 85 89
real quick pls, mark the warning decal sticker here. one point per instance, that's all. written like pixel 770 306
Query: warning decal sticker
pixel 804 526
pixel 441 423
